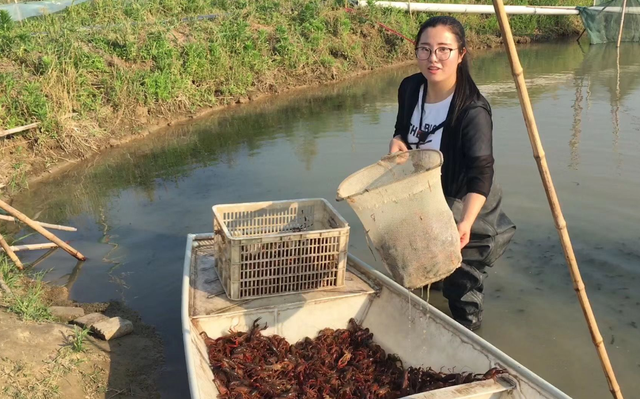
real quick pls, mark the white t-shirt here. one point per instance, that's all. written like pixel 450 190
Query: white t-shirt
pixel 433 115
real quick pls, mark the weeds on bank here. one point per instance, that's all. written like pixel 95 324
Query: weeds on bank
pixel 28 305
pixel 78 339
pixel 26 298
pixel 8 272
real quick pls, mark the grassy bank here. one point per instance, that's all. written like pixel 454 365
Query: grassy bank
pixel 42 358
pixel 110 69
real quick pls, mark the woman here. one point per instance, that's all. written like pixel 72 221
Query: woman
pixel 441 108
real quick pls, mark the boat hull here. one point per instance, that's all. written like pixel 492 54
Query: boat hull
pixel 402 323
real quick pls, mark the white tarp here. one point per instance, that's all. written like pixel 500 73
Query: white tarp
pixel 20 11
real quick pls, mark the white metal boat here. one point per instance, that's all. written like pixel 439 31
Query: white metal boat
pixel 402 323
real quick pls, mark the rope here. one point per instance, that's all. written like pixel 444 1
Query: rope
pixel 395 32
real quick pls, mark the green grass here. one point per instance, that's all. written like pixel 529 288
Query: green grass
pixel 29 305
pixel 77 341
pixel 106 68
pixel 26 298
pixel 8 272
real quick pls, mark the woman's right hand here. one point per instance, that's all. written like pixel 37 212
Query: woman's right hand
pixel 396 145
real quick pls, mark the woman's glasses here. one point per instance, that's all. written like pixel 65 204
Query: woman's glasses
pixel 442 53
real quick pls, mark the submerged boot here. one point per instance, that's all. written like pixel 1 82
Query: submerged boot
pixel 468 311
pixel 471 325
pixel 464 290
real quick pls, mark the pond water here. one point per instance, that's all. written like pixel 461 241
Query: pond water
pixel 135 205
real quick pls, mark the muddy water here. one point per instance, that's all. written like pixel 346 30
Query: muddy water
pixel 135 205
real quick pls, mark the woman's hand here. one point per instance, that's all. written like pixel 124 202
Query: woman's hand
pixel 396 145
pixel 464 229
pixel 472 204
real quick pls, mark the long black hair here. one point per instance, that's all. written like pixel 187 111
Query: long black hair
pixel 466 89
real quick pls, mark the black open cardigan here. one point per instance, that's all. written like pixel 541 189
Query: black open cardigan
pixel 467 144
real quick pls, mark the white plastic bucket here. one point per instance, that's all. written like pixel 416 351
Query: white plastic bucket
pixel 400 202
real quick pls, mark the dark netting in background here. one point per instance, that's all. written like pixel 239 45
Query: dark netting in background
pixel 602 22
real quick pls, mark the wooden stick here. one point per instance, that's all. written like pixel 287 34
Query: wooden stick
pixel 47 225
pixel 554 204
pixel 9 252
pixel 15 130
pixel 23 218
pixel 33 247
pixel 624 8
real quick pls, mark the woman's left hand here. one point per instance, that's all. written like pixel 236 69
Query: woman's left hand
pixel 464 229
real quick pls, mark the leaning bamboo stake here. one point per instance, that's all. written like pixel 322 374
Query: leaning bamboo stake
pixel 23 218
pixel 11 254
pixel 554 204
pixel 47 225
pixel 33 247
pixel 19 129
pixel 624 8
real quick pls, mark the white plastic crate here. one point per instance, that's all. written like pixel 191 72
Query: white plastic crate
pixel 280 247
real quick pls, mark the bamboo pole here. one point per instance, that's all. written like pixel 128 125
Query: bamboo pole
pixel 23 218
pixel 9 252
pixel 33 247
pixel 554 204
pixel 47 225
pixel 8 132
pixel 624 8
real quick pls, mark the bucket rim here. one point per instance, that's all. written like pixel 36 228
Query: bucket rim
pixel 340 197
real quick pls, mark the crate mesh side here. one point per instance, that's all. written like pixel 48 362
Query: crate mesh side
pixel 289 266
pixel 269 221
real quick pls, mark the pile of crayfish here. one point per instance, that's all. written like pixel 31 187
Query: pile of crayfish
pixel 340 364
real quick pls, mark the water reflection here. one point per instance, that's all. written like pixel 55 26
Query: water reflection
pixel 602 65
pixel 73 276
pixel 574 143
pixel 616 112
pixel 43 257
